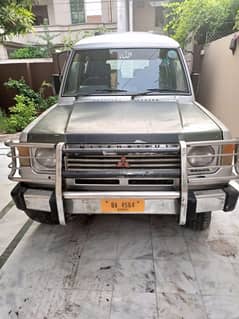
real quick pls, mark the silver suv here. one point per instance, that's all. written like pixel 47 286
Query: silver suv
pixel 126 137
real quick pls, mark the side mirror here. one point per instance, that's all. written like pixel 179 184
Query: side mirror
pixel 195 77
pixel 56 79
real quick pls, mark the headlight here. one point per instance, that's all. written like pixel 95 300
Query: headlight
pixel 201 156
pixel 45 158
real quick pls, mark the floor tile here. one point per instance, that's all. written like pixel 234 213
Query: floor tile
pixel 225 223
pixel 10 225
pixel 135 276
pixel 101 246
pixel 134 306
pixel 95 275
pixel 224 247
pixel 169 246
pixel 181 305
pixel 135 246
pixel 48 270
pixel 71 304
pixel 215 275
pixel 222 307
pixel 56 239
pixel 55 304
pixel 175 274
pixel 19 303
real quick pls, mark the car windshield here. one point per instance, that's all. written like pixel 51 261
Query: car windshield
pixel 125 71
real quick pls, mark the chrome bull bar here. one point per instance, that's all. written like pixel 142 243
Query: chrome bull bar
pixel 182 195
pixel 184 184
pixel 225 169
pixel 60 195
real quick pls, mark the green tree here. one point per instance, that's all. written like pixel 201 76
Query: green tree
pixel 47 37
pixel 199 18
pixel 236 27
pixel 15 17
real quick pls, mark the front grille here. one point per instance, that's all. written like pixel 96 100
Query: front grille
pixel 115 157
pixel 124 166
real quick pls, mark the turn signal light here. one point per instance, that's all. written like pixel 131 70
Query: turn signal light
pixel 228 149
pixel 24 156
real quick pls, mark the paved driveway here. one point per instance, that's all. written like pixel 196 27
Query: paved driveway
pixel 117 267
pixel 5 184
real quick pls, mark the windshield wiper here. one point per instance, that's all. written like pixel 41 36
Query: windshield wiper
pixel 149 91
pixel 98 91
pixel 82 94
pixel 111 90
pixel 166 90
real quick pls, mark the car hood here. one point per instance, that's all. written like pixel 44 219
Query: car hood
pixel 125 122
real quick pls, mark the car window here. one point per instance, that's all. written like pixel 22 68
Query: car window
pixel 131 70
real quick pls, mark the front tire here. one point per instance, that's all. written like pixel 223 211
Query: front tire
pixel 42 217
pixel 198 221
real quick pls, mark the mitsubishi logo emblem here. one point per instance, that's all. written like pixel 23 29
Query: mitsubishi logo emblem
pixel 122 163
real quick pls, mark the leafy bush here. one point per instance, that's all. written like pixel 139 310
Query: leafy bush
pixel 28 53
pixel 29 104
pixel 3 122
pixel 21 114
pixel 38 98
pixel 23 88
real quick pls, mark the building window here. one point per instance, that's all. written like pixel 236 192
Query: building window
pixel 77 11
pixel 41 14
pixel 159 17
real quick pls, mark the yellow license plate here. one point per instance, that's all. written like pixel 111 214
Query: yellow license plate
pixel 122 205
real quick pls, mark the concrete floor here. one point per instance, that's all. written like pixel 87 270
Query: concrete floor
pixel 118 267
pixel 5 184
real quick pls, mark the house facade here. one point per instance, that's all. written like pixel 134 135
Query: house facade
pixel 141 15
pixel 71 18
pixel 72 12
pixel 66 20
pixel 148 15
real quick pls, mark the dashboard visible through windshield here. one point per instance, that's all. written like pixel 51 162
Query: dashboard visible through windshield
pixel 126 71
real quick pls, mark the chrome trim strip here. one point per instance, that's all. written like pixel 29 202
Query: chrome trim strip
pixel 121 194
pixel 215 179
pixel 35 180
pixel 58 187
pixel 184 184
pixel 13 164
pixel 214 142
pixel 30 145
pixel 131 148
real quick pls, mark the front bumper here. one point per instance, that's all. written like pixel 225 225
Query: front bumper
pixel 210 197
pixel 155 202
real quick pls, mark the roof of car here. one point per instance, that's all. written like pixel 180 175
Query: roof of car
pixel 127 40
